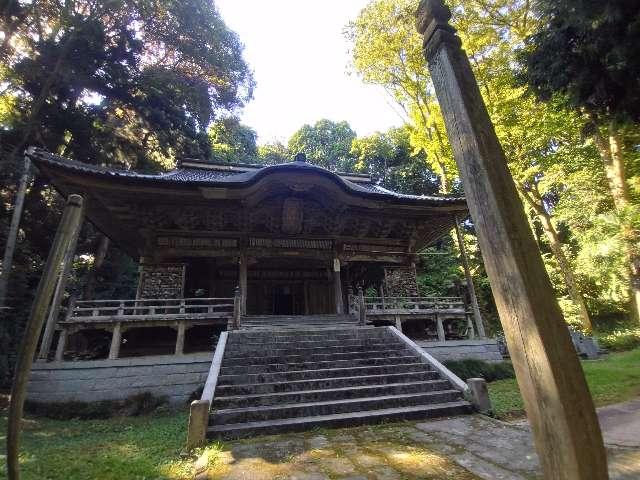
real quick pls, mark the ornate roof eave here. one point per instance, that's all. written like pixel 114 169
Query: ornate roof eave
pixel 197 178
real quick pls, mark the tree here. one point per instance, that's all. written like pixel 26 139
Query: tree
pixel 584 54
pixel 325 143
pixel 273 153
pixel 233 142
pixel 387 52
pixel 392 57
pixel 109 83
pixel 393 163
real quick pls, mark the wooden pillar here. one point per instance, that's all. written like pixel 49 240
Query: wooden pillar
pixel 470 287
pixel 553 387
pixel 67 264
pixel 440 328
pixel 182 327
pixel 337 286
pixel 62 343
pixel 237 308
pixel 362 307
pixel 116 340
pixel 70 222
pixel 12 237
pixel 242 278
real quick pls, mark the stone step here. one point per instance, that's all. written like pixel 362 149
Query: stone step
pixel 279 337
pixel 272 412
pixel 316 357
pixel 328 383
pixel 310 344
pixel 240 351
pixel 326 394
pixel 321 373
pixel 250 429
pixel 287 367
pixel 284 327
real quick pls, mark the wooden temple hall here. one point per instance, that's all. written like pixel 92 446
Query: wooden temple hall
pixel 229 246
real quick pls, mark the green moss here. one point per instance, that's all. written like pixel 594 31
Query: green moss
pixel 611 379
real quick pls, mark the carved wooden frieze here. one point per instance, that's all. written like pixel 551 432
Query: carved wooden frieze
pixel 290 243
pixel 195 243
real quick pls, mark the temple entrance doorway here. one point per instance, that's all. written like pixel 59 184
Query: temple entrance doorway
pixel 289 286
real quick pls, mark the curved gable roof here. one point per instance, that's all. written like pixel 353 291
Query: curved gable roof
pixel 231 178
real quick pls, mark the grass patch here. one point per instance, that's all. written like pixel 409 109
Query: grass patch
pixel 145 447
pixel 614 378
pixel 472 368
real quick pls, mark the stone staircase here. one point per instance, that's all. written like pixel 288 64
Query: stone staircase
pixel 269 322
pixel 292 378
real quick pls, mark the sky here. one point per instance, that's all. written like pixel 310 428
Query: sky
pixel 300 61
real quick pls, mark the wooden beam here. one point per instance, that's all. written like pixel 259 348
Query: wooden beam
pixel 69 224
pixel 557 400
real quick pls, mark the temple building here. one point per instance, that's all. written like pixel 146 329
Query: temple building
pixel 227 251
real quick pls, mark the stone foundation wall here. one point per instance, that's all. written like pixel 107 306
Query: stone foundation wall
pixel 486 349
pixel 400 282
pixel 161 281
pixel 176 377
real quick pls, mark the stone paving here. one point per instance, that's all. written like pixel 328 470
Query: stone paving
pixel 466 448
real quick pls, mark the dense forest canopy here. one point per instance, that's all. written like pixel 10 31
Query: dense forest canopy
pixel 112 83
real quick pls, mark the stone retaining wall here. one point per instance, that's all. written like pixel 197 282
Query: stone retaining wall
pixel 486 349
pixel 176 377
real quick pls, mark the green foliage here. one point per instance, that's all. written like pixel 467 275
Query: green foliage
pixel 387 52
pixel 233 142
pixel 273 153
pixel 133 406
pixel 586 51
pixel 326 143
pixel 113 449
pixel 472 368
pixel 619 340
pixel 393 163
pixel 611 379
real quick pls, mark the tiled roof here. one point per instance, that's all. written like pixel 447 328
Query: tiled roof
pixel 233 177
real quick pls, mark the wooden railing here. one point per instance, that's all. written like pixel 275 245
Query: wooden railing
pixel 379 305
pixel 406 305
pixel 147 309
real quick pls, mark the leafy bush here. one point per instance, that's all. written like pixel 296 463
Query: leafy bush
pixel 472 368
pixel 139 404
pixel 618 340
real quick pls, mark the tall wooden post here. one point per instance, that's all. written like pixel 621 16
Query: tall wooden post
pixel 242 275
pixel 10 247
pixel 337 286
pixel 54 311
pixel 470 287
pixel 362 307
pixel 70 223
pixel 237 308
pixel 553 387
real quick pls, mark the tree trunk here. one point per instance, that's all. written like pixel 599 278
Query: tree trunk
pixel 12 236
pixel 535 201
pixel 612 155
pixel 101 253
